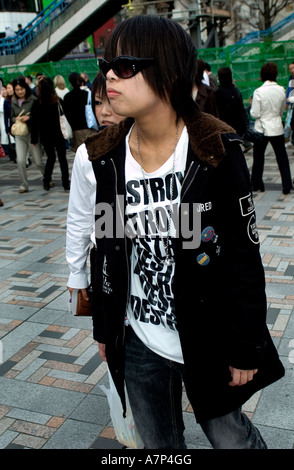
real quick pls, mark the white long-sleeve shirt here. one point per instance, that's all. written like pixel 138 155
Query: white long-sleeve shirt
pixel 80 219
pixel 267 108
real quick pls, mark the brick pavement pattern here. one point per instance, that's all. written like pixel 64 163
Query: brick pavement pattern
pixel 50 370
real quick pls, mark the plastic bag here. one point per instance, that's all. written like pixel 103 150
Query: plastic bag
pixel 288 131
pixel 90 118
pixel 125 428
pixel 65 127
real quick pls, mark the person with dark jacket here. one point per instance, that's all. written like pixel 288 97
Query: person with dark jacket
pixel 179 281
pixel 229 102
pixel 202 93
pixel 46 125
pixel 74 104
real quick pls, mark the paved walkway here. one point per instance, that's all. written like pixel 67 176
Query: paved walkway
pixel 50 370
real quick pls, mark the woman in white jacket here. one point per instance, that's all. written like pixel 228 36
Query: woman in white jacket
pixel 267 109
pixel 82 197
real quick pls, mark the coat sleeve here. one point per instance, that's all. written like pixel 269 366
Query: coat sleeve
pixel 245 318
pixel 80 219
pixel 255 107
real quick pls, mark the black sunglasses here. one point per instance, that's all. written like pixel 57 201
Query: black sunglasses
pixel 124 66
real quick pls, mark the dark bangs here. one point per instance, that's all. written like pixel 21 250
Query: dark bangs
pixel 173 74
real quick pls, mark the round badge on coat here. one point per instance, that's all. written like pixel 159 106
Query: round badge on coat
pixel 203 259
pixel 207 234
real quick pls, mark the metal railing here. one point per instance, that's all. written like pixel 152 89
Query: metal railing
pixel 274 32
pixel 25 36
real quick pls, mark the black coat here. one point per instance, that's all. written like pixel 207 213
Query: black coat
pixel 231 108
pixel 220 307
pixel 74 104
pixel 45 123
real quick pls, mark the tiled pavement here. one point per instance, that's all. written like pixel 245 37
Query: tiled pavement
pixel 50 370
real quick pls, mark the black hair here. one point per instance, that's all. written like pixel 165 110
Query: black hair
pixel 269 71
pixel 46 91
pixel 98 86
pixel 75 79
pixel 225 77
pixel 21 82
pixel 173 74
pixel 200 67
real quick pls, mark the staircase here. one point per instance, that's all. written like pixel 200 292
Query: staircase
pixel 57 30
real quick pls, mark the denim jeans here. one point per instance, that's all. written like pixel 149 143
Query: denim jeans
pixel 154 387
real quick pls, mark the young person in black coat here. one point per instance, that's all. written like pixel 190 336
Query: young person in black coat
pixel 168 307
pixel 229 102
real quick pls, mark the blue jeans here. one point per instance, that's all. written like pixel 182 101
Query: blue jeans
pixel 154 387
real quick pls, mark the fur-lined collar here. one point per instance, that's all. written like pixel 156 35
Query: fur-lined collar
pixel 204 133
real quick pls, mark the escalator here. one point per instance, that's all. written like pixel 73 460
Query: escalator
pixel 57 30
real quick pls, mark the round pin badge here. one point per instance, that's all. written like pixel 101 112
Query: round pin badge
pixel 203 259
pixel 207 234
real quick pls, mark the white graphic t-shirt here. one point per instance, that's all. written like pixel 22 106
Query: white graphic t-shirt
pixel 151 305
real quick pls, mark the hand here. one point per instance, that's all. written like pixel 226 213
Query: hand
pixel 241 377
pixel 84 292
pixel 101 348
pixel 22 118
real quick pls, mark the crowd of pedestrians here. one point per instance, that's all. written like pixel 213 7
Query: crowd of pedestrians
pixel 266 111
pixel 192 113
pixel 218 95
pixel 36 110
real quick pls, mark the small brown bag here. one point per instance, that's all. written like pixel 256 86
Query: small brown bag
pixel 84 307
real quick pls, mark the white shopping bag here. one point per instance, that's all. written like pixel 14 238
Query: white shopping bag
pixel 125 428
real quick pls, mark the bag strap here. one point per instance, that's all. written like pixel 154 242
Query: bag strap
pixel 89 97
pixel 60 109
pixel 21 113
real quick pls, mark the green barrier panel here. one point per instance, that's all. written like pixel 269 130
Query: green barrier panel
pixel 245 61
pixel 51 69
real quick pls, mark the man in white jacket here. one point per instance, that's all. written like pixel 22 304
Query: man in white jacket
pixel 267 109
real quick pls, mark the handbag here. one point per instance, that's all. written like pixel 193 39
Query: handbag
pixel 65 128
pixel 80 307
pixel 124 428
pixel 90 117
pixel 19 128
pixel 84 307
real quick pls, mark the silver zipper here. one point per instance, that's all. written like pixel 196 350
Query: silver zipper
pixel 189 169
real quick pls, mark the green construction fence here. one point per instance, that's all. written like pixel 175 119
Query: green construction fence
pixel 244 60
